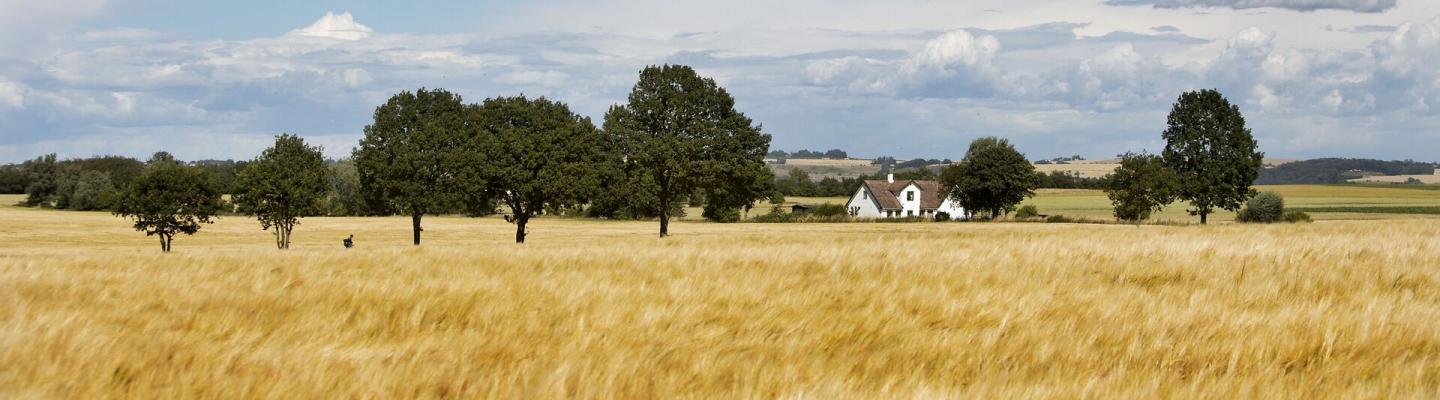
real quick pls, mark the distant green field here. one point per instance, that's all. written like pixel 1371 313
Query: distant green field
pixel 1388 186
pixel 1329 202
pixel 1372 210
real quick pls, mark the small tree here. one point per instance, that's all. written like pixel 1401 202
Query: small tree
pixel 286 182
pixel 993 178
pixel 1142 185
pixel 415 157
pixel 1211 151
pixel 169 199
pixel 537 154
pixel 679 133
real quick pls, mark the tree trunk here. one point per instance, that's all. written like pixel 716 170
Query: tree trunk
pixel 415 224
pixel 163 247
pixel 1203 214
pixel 665 222
pixel 285 237
pixel 520 221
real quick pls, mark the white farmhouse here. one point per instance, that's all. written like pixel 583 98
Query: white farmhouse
pixel 891 199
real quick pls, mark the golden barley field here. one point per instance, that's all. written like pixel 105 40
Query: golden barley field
pixel 593 309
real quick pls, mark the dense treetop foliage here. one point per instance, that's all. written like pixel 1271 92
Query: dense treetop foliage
pixel 169 198
pixel 993 178
pixel 1211 151
pixel 287 181
pixel 680 133
pixel 538 154
pixel 1140 186
pixel 417 158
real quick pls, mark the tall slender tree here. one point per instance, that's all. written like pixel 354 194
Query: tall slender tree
pixel 169 198
pixel 538 154
pixel 287 181
pixel 415 158
pixel 1212 152
pixel 679 133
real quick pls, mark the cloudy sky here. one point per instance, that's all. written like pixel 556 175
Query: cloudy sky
pixel 908 78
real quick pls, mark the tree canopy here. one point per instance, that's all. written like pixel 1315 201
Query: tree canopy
pixel 993 178
pixel 415 158
pixel 43 174
pixel 168 199
pixel 680 133
pixel 538 154
pixel 1211 151
pixel 1140 186
pixel 287 181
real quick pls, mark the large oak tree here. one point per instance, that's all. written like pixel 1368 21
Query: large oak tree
pixel 1211 151
pixel 538 154
pixel 416 157
pixel 680 134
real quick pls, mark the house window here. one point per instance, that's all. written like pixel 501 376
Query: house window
pixel 865 195
pixel 910 195
pixel 910 213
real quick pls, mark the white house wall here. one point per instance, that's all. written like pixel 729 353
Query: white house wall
pixel 862 206
pixel 910 208
pixel 950 206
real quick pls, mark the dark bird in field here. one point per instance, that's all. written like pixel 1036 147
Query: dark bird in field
pixel 350 241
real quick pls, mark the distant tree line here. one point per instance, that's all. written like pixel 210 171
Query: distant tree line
pixel 807 154
pixel 92 183
pixel 1060 160
pixel 1067 180
pixel 799 183
pixel 889 164
pixel 1337 170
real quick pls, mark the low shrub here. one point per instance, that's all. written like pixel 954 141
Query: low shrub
pixel 716 214
pixel 942 216
pixel 1059 219
pixel 1027 211
pixel 1296 216
pixel 1265 207
pixel 829 210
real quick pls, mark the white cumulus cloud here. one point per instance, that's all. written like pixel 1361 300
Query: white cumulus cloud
pixel 335 26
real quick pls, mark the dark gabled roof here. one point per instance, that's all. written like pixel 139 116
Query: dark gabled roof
pixel 887 194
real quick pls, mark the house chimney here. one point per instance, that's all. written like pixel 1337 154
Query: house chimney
pixel 890 178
